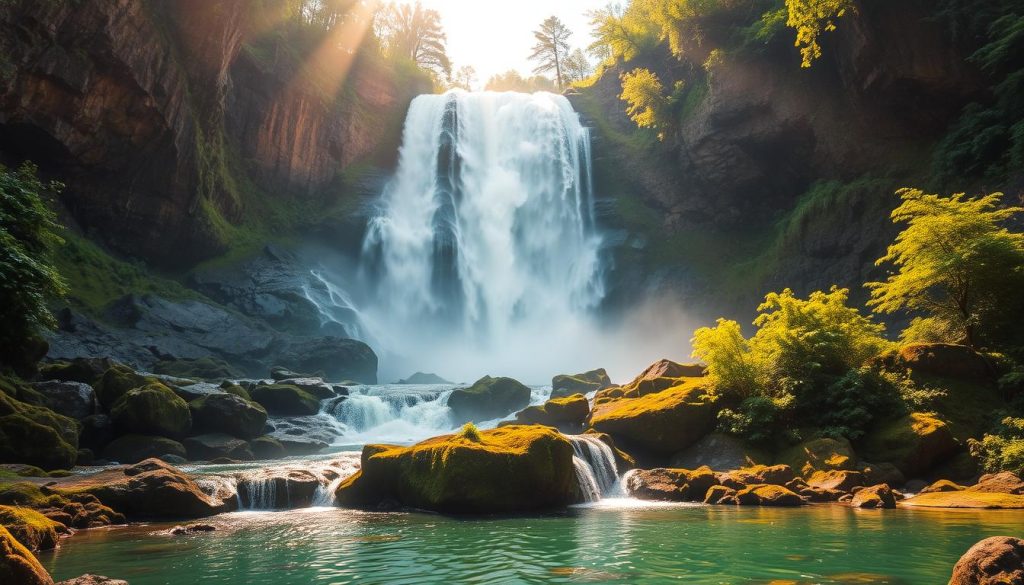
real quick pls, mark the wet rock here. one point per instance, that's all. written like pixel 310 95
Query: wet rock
pixel 227 413
pixel 314 386
pixel 488 398
pixel 768 495
pixel 204 368
pixel 337 358
pixel 278 489
pixel 998 560
pixel 93 580
pixel 285 400
pixel 758 474
pixel 842 480
pixel 211 446
pixel 33 530
pixel 267 447
pixel 720 494
pixel 876 496
pixel 72 399
pixel 194 391
pixel 192 529
pixel 136 448
pixel 674 485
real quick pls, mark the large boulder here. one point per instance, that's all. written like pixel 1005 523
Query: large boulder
pixel 913 443
pixel 674 485
pixel 285 400
pixel 508 469
pixel 824 454
pixel 72 399
pixel 998 560
pixel 668 369
pixel 758 475
pixel 568 384
pixel 315 386
pixel 567 414
pixel 664 422
pixel 136 448
pixel 153 409
pixel 876 496
pixel 36 435
pixel 945 360
pixel 227 413
pixel 1004 482
pixel 216 445
pixel 18 565
pixel 150 489
pixel 768 495
pixel 117 381
pixel 267 447
pixel 337 358
pixel 488 398
pixel 836 479
pixel 84 370
pixel 720 452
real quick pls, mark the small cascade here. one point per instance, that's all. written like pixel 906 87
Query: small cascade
pixel 374 414
pixel 595 467
pixel 261 493
pixel 325 495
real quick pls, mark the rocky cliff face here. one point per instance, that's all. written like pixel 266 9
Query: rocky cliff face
pixel 764 131
pixel 151 110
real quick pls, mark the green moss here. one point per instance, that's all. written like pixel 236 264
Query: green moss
pixel 913 443
pixel 152 409
pixel 117 381
pixel 286 400
pixel 36 435
pixel 515 468
pixel 966 499
pixel 819 454
pixel 33 530
pixel 206 368
pixel 28 495
pixel 135 448
pixel 18 564
pixel 267 447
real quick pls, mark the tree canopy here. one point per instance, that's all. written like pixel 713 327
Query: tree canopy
pixel 552 49
pixel 957 263
pixel 415 32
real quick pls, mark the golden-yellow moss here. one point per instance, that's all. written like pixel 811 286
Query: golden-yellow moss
pixel 966 499
pixel 663 422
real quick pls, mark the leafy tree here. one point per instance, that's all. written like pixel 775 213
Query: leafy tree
pixel 577 66
pixel 416 33
pixel 620 34
pixel 552 48
pixel 511 80
pixel 1002 450
pixel 28 279
pixel 648 105
pixel 956 262
pixel 811 19
pixel 464 78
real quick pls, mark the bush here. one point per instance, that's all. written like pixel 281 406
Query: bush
pixel 28 280
pixel 1003 450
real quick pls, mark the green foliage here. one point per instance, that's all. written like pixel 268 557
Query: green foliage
pixel 414 32
pixel 552 49
pixel 649 107
pixel 511 80
pixel 802 368
pixel 811 19
pixel 470 432
pixel 957 264
pixel 1003 449
pixel 28 236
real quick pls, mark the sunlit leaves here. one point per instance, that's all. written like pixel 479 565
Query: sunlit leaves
pixel 811 19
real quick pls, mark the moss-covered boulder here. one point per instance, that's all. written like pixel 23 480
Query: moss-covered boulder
pixel 36 435
pixel 84 370
pixel 836 479
pixel 153 409
pixel 227 413
pixel 207 368
pixel 1004 482
pixel 285 400
pixel 217 445
pixel 567 414
pixel 913 443
pixel 488 398
pixel 267 447
pixel 720 452
pixel 945 360
pixel 758 475
pixel 674 485
pixel 117 381
pixel 568 384
pixel 874 497
pixel 998 560
pixel 508 469
pixel 33 530
pixel 768 495
pixel 135 448
pixel 664 422
pixel 824 454
pixel 942 485
pixel 18 565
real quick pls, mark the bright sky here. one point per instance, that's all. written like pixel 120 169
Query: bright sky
pixel 495 36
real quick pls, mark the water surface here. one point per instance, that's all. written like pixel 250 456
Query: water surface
pixel 612 542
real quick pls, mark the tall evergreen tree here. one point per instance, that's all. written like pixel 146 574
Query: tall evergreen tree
pixel 551 49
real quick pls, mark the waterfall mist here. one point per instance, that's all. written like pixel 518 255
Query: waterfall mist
pixel 482 255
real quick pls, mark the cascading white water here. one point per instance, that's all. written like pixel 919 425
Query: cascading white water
pixel 260 493
pixel 485 238
pixel 596 470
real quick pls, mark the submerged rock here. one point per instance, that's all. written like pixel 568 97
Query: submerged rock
pixel 93 580
pixel 488 398
pixel 998 560
pixel 18 565
pixel 508 469
pixel 568 384
pixel 664 422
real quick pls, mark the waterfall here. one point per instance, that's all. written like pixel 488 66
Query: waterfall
pixel 485 236
pixel 383 414
pixel 260 493
pixel 595 467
